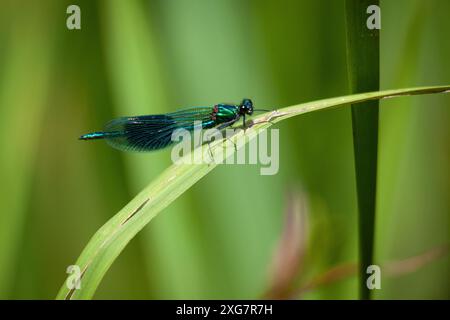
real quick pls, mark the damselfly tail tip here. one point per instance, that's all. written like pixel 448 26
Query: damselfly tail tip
pixel 92 136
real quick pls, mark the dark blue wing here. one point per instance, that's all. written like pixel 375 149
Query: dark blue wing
pixel 153 132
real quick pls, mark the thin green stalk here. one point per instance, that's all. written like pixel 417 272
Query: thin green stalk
pixel 363 53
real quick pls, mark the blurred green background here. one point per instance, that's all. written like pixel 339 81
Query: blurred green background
pixel 218 239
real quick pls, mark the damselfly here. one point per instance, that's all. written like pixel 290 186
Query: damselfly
pixel 153 132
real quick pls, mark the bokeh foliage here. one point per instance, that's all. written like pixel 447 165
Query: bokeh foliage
pixel 215 241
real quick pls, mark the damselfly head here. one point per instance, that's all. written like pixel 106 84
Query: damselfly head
pixel 246 107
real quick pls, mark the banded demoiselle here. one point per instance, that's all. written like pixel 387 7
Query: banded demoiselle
pixel 154 132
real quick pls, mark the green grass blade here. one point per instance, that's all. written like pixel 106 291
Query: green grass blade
pixel 363 52
pixel 113 236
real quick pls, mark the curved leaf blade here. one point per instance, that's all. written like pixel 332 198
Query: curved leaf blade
pixel 107 243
